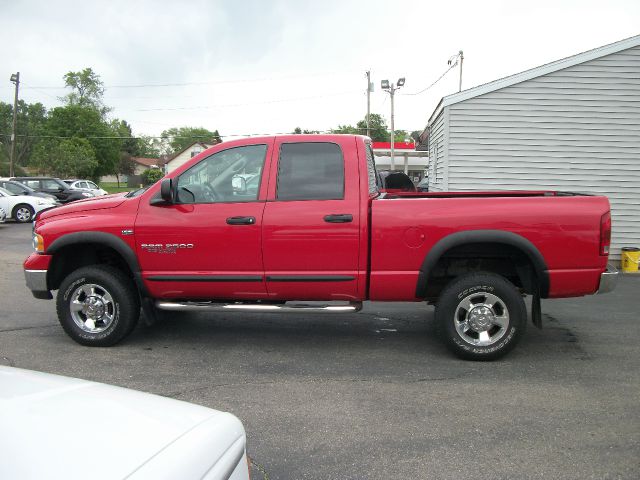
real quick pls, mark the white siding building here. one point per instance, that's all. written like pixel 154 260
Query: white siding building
pixel 571 125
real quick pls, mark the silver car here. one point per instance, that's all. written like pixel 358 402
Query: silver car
pixel 86 186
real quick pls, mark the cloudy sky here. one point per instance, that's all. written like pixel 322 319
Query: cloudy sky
pixel 248 66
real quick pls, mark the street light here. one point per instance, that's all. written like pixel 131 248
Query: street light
pixel 391 89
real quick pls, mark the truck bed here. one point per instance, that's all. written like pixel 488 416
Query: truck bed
pixel 563 227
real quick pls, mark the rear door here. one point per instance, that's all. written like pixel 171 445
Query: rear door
pixel 311 221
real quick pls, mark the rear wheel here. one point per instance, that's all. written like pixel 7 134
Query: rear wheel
pixel 481 316
pixel 98 305
pixel 22 213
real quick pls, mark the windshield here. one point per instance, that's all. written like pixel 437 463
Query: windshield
pixel 6 192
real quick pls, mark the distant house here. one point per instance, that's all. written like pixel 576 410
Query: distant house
pixel 140 165
pixel 186 154
pixel 573 125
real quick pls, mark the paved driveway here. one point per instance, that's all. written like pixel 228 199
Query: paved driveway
pixel 373 395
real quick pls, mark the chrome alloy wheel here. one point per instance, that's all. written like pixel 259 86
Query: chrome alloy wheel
pixel 23 214
pixel 481 319
pixel 92 308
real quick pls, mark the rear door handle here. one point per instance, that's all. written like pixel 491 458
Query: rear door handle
pixel 339 218
pixel 241 220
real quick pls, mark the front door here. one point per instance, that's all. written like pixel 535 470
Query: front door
pixel 208 244
pixel 311 222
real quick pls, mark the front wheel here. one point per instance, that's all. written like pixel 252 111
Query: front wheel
pixel 23 213
pixel 98 305
pixel 481 316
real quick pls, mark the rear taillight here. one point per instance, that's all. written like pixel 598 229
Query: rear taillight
pixel 605 233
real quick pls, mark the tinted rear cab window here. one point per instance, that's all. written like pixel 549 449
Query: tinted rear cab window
pixel 310 171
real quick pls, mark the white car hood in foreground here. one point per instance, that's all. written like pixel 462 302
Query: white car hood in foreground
pixel 56 427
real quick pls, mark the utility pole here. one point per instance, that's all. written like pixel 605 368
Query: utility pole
pixel 369 88
pixel 391 89
pixel 461 59
pixel 15 78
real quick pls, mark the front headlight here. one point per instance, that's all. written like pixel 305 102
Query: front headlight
pixel 38 243
pixel 87 194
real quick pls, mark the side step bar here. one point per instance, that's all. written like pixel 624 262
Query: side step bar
pixel 293 307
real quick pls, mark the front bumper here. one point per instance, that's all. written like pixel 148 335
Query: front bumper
pixel 35 273
pixel 608 279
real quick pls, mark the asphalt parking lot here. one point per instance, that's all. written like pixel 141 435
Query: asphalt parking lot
pixel 373 395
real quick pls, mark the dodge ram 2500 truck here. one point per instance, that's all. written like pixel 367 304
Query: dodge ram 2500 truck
pixel 267 224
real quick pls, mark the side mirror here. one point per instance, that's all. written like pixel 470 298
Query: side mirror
pixel 167 192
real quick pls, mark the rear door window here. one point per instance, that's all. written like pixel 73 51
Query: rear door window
pixel 310 171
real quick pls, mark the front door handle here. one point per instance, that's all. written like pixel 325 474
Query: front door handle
pixel 339 218
pixel 241 220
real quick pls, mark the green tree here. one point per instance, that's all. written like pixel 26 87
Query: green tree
pixel 86 90
pixel 125 166
pixel 152 175
pixel 149 147
pixel 377 126
pixel 345 129
pixel 31 120
pixel 129 142
pixel 69 157
pixel 179 138
pixel 299 131
pixel 75 121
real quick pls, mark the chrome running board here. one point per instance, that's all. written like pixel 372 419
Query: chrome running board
pixel 292 307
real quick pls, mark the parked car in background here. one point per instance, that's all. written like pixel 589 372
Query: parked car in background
pixel 55 187
pixel 3 215
pixel 423 185
pixel 21 189
pixel 126 434
pixel 22 208
pixel 86 186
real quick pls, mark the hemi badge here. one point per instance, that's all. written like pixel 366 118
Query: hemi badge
pixel 127 232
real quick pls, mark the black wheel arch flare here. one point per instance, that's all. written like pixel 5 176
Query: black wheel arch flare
pixel 483 236
pixel 108 240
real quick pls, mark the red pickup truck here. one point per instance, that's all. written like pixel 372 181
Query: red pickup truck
pixel 267 224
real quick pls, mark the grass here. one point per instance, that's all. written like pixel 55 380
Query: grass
pixel 112 187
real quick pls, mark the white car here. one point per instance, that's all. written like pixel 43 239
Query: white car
pixel 23 208
pixel 65 428
pixel 3 215
pixel 86 186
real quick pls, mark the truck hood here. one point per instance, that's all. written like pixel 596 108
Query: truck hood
pixel 97 203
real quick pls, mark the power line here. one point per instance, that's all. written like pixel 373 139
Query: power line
pixel 439 78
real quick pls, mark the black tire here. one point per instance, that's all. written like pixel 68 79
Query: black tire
pixel 22 213
pixel 491 333
pixel 117 296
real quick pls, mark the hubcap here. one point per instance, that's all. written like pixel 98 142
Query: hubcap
pixel 23 214
pixel 92 308
pixel 481 319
